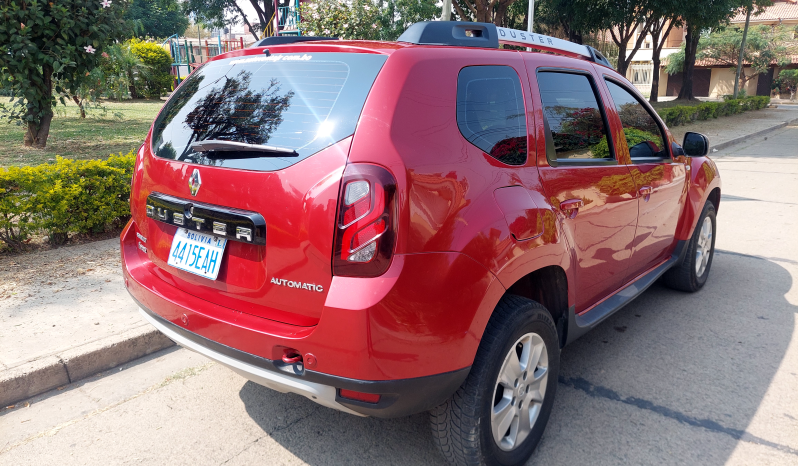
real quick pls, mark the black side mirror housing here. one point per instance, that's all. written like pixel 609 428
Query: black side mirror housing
pixel 695 144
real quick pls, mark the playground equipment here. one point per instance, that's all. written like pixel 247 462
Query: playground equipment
pixel 189 54
pixel 288 18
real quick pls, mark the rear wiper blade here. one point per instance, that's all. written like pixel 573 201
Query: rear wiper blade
pixel 217 145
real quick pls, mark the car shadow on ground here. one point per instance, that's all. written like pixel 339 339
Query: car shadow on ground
pixel 671 378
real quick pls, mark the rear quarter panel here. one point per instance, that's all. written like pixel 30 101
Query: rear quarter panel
pixel 445 184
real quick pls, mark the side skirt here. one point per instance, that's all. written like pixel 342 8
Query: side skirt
pixel 578 325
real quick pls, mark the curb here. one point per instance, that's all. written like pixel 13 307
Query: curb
pixel 740 139
pixel 36 377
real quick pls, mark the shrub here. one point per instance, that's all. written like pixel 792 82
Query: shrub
pixel 679 115
pixel 159 63
pixel 706 110
pixel 634 136
pixel 683 114
pixel 68 196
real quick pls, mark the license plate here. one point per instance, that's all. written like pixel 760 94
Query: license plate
pixel 197 253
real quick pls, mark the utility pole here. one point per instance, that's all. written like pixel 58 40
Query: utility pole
pixel 447 10
pixel 530 16
pixel 742 49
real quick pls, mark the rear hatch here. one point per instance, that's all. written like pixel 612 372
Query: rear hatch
pixel 251 149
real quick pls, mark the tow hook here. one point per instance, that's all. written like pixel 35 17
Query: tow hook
pixel 292 356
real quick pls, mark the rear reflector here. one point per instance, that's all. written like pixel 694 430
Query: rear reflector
pixel 353 395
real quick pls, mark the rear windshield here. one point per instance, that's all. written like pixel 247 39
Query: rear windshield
pixel 301 102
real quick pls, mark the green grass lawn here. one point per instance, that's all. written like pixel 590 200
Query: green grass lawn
pixel 121 128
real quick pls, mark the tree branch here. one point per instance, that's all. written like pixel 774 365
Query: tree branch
pixel 261 15
pixel 459 11
pixel 246 21
pixel 470 7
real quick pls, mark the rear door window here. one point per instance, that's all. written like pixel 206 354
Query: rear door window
pixel 490 112
pixel 575 117
pixel 299 103
pixel 643 135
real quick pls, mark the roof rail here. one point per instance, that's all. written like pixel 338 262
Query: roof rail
pixel 281 40
pixel 487 35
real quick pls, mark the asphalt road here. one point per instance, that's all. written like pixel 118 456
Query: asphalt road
pixel 708 378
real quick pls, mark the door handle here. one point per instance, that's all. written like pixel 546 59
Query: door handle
pixel 645 192
pixel 571 207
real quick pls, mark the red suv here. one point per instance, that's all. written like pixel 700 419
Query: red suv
pixel 390 228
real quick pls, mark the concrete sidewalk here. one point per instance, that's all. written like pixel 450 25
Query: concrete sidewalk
pixel 65 314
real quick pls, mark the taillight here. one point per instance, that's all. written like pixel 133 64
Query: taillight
pixel 366 224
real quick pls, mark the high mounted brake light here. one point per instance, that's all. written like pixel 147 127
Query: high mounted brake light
pixel 365 232
pixel 487 35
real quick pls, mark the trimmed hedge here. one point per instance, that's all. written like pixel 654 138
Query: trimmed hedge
pixel 683 114
pixel 68 196
pixel 634 136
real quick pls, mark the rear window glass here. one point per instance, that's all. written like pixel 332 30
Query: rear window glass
pixel 296 102
pixel 490 112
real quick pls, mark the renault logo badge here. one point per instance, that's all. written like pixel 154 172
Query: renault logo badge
pixel 195 182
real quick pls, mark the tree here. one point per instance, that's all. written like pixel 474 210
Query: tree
pixel 700 16
pixel 664 18
pixel 764 46
pixel 156 18
pixel 358 19
pixel 365 19
pixel 624 18
pixel 215 13
pixel 40 42
pixel 398 15
pixel 483 11
pixel 574 18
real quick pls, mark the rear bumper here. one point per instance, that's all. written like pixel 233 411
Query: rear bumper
pixel 398 397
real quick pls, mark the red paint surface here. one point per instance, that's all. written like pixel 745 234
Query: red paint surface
pixel 462 236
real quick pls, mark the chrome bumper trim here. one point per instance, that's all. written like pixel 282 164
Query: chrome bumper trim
pixel 318 393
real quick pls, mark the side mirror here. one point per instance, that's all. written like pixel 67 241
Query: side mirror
pixel 695 144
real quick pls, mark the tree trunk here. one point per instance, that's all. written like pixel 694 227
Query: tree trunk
pixel 483 13
pixel 131 86
pixel 690 48
pixel 246 21
pixel 622 63
pixel 38 131
pixel 80 106
pixel 659 37
pixel 573 35
pixel 501 14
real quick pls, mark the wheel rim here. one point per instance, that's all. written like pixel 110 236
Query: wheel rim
pixel 703 249
pixel 520 388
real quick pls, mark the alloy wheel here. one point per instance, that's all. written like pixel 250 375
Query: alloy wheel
pixel 520 388
pixel 703 248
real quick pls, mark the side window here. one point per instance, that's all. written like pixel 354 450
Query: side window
pixel 490 112
pixel 643 135
pixel 574 116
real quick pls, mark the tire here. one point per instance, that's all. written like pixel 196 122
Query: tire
pixel 689 275
pixel 463 426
